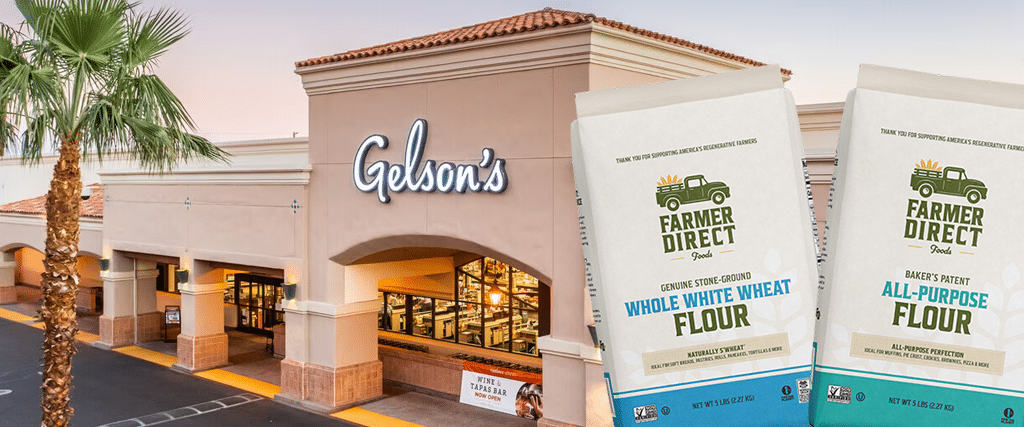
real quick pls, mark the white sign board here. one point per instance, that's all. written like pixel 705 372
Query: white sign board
pixel 502 390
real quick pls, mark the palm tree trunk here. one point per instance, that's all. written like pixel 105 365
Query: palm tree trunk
pixel 60 284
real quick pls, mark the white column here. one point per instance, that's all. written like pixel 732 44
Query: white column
pixel 117 324
pixel 331 358
pixel 8 294
pixel 149 322
pixel 565 402
pixel 567 356
pixel 202 343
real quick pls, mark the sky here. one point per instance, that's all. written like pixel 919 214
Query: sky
pixel 235 70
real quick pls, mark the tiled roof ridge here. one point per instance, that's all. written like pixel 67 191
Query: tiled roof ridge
pixel 527 22
pixel 91 208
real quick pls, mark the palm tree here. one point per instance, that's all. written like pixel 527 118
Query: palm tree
pixel 80 76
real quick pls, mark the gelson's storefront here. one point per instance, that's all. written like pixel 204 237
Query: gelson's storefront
pixel 428 228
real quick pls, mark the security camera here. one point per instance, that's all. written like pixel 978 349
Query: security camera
pixel 86 193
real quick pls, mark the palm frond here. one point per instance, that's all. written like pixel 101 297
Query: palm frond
pixel 37 14
pixel 38 130
pixel 155 147
pixel 86 73
pixel 86 32
pixel 151 34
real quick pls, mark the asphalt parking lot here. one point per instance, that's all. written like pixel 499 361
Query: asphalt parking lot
pixel 112 389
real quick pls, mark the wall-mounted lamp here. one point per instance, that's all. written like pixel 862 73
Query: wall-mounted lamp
pixel 104 264
pixel 182 276
pixel 289 291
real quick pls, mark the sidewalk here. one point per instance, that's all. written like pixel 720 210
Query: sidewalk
pixel 252 369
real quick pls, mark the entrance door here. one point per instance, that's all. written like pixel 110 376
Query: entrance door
pixel 259 300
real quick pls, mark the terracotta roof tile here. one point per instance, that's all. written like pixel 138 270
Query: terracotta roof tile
pixel 91 208
pixel 532 21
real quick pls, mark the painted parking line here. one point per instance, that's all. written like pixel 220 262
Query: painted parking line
pixel 157 357
pixel 232 379
pixel 368 418
pixel 3 392
pixel 186 411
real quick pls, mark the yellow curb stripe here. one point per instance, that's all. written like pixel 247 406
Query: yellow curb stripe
pixel 232 379
pixel 14 316
pixel 21 318
pixel 148 355
pixel 86 337
pixel 368 418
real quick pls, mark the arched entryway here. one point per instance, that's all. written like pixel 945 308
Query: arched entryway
pixel 441 308
pixel 21 268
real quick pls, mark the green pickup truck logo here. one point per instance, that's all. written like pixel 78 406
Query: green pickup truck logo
pixel 929 178
pixel 673 193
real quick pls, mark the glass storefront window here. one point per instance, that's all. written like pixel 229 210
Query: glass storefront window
pixel 469 287
pixel 496 271
pixel 383 309
pixel 497 327
pixel 524 332
pixel 525 290
pixel 423 316
pixel 258 301
pixel 469 323
pixel 394 312
pixel 496 307
pixel 444 320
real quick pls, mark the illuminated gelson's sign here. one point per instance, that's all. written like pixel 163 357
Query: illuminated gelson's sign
pixel 381 177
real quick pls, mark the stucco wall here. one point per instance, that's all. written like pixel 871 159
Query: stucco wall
pixel 18 231
pixel 524 116
pixel 604 77
pixel 243 224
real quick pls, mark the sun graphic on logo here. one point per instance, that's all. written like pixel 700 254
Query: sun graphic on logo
pixel 669 180
pixel 929 165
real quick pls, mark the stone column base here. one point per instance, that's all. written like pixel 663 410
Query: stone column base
pixel 327 390
pixel 291 380
pixel 201 353
pixel 151 327
pixel 545 422
pixel 8 294
pixel 116 331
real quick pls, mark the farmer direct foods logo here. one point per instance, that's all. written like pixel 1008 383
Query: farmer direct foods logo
pixel 939 216
pixel 694 230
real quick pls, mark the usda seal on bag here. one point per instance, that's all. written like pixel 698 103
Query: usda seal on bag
pixel 699 244
pixel 922 308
